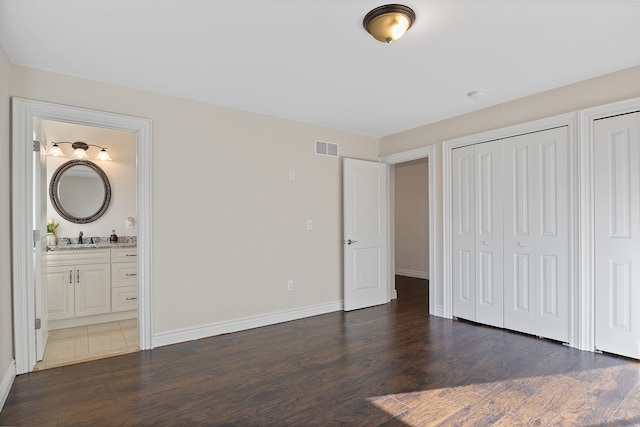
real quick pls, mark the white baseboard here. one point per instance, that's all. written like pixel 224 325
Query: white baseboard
pixel 439 311
pixel 394 294
pixel 235 325
pixel 412 273
pixel 7 382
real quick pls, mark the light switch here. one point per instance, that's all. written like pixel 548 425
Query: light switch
pixel 292 174
pixel 309 224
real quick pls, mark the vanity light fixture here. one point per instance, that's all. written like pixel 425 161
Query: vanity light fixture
pixel 79 150
pixel 389 22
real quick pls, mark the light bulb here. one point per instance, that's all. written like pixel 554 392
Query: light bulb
pixel 103 155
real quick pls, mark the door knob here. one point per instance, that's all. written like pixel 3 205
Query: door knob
pixel 485 243
pixel 349 241
pixel 521 244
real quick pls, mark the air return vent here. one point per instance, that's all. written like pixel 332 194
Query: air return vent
pixel 324 148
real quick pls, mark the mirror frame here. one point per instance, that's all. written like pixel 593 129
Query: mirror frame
pixel 55 197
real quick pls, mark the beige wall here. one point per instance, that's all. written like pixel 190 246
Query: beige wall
pixel 609 88
pixel 412 218
pixel 229 227
pixel 6 329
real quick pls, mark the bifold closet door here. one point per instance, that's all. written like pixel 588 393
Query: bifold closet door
pixel 617 234
pixel 463 232
pixel 477 233
pixel 536 234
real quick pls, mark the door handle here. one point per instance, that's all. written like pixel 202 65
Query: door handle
pixel 520 244
pixel 350 242
pixel 485 243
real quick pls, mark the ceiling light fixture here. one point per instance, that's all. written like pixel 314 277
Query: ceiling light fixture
pixel 79 150
pixel 389 22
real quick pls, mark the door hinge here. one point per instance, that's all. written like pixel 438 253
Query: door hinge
pixel 36 145
pixel 38 324
pixel 36 236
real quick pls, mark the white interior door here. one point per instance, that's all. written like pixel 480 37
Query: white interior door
pixel 536 234
pixel 463 233
pixel 488 226
pixel 40 246
pixel 365 234
pixel 617 234
pixel 477 233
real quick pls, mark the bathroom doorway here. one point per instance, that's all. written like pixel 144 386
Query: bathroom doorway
pixel 24 112
pixel 89 267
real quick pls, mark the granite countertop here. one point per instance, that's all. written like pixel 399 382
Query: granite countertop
pixel 101 245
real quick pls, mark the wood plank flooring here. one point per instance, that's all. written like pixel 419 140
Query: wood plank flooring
pixel 390 365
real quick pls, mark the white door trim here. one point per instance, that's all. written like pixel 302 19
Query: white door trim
pixel 586 315
pixel 571 121
pixel 406 156
pixel 23 113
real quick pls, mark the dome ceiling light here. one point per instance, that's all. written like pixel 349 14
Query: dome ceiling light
pixel 389 22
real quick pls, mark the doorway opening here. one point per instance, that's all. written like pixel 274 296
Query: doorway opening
pixel 25 238
pixel 95 317
pixel 411 222
pixel 409 166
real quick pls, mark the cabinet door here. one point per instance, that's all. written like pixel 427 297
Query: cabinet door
pixel 617 234
pixel 93 289
pixel 60 292
pixel 536 231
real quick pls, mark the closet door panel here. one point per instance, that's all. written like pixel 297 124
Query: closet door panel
pixel 518 197
pixel 617 234
pixel 489 255
pixel 551 232
pixel 463 224
pixel 536 241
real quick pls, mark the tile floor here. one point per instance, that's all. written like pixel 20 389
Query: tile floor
pixel 83 343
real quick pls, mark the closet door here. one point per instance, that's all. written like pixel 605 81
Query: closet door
pixel 477 233
pixel 617 234
pixel 488 236
pixel 536 235
pixel 463 233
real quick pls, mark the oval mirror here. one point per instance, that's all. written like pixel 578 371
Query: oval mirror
pixel 80 191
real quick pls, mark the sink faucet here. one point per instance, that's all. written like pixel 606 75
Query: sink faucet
pixel 80 238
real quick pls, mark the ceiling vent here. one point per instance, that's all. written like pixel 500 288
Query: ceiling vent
pixel 324 148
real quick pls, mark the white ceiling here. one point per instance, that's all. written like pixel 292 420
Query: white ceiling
pixel 312 62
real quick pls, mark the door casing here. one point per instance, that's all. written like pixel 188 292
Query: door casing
pixel 24 111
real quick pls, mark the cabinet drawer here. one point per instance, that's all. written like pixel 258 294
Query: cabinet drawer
pixel 78 256
pixel 124 254
pixel 124 274
pixel 124 298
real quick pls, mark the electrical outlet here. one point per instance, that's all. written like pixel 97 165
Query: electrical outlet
pixel 292 174
pixel 290 285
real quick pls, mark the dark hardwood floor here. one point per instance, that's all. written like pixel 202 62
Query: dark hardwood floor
pixel 391 365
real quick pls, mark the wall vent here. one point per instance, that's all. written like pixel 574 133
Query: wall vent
pixel 324 148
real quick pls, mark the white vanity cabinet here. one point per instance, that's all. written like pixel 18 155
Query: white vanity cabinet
pixel 124 279
pixel 78 283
